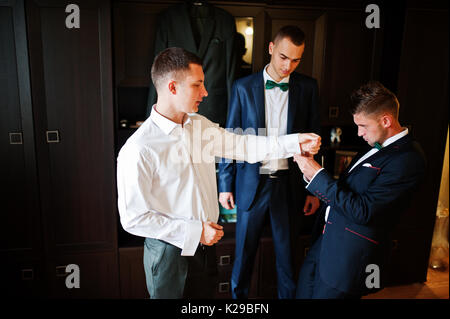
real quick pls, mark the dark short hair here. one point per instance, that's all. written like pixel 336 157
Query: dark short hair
pixel 292 32
pixel 374 98
pixel 172 61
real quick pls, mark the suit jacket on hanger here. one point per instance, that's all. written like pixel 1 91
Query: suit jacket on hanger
pixel 215 48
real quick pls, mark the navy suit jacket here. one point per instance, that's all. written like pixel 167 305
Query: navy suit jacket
pixel 366 204
pixel 247 111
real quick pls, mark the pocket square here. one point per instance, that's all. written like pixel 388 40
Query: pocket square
pixel 370 166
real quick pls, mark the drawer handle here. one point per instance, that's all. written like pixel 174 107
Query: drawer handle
pixel 61 271
pixel 394 244
pixel 15 138
pixel 224 260
pixel 52 136
pixel 224 287
pixel 28 274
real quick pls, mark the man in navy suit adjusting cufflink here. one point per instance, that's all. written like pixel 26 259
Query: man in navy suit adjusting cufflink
pixel 280 101
pixel 364 204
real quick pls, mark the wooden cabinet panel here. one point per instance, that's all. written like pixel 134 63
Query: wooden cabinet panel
pixel 266 275
pixel 348 63
pixel 59 159
pixel 19 197
pixel 72 96
pixel 225 260
pixel 22 278
pixel 132 274
pixel 423 97
pixel 98 276
pixel 21 272
pixel 134 37
pixel 408 261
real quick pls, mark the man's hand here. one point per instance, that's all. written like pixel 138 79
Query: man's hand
pixel 211 233
pixel 311 205
pixel 309 143
pixel 226 200
pixel 307 165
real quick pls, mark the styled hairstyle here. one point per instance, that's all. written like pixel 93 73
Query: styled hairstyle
pixel 172 62
pixel 374 98
pixel 292 32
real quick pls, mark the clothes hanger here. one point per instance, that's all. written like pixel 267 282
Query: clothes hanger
pixel 197 3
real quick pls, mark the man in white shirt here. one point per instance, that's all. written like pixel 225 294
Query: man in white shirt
pixel 364 205
pixel 166 177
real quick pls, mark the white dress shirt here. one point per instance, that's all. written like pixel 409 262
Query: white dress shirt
pixel 276 110
pixel 372 151
pixel 166 176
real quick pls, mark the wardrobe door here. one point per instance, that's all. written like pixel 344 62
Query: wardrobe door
pixel 71 77
pixel 348 62
pixel 20 239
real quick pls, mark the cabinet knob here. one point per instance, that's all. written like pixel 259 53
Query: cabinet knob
pixel 224 287
pixel 394 244
pixel 28 274
pixel 224 260
pixel 52 136
pixel 61 271
pixel 15 138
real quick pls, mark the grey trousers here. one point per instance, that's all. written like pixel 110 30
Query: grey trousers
pixel 172 276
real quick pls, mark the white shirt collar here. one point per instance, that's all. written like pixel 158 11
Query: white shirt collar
pixel 394 138
pixel 166 125
pixel 266 76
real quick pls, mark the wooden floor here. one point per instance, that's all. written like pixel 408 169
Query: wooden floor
pixel 436 287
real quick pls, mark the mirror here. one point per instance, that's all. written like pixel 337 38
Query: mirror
pixel 244 45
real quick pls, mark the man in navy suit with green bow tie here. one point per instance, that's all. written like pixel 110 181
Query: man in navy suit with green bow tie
pixel 348 260
pixel 274 101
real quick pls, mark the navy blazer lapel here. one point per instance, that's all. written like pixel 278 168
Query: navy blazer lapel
pixel 293 101
pixel 258 95
pixel 385 151
pixel 393 147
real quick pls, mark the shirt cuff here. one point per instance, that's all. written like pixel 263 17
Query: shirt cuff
pixel 290 143
pixel 308 182
pixel 193 232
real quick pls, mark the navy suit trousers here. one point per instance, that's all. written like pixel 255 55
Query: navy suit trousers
pixel 271 199
pixel 310 285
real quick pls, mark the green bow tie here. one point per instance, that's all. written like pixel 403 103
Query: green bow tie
pixel 271 84
pixel 378 146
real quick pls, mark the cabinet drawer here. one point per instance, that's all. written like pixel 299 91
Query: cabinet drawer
pixel 225 254
pixel 223 289
pixel 22 279
pixel 132 274
pixel 85 275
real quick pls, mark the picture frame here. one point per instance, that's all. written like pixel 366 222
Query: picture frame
pixel 342 160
